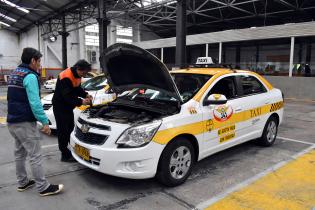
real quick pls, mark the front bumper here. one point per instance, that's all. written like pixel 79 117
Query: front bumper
pixel 133 163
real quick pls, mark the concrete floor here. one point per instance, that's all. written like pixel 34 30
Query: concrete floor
pixel 213 176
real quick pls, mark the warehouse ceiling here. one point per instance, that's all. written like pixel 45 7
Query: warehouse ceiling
pixel 158 15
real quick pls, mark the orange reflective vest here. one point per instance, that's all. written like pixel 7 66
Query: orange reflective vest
pixel 68 74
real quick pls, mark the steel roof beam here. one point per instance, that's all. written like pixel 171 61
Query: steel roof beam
pixel 284 2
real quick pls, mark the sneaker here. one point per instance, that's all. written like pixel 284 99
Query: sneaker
pixel 25 187
pixel 52 190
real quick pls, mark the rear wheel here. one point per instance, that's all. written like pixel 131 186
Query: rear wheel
pixel 176 162
pixel 269 135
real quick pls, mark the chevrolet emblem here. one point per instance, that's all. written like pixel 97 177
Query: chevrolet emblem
pixel 85 128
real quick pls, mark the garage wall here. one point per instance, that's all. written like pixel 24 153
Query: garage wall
pixel 9 49
pixel 294 87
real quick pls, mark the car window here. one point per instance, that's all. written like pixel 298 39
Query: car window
pixel 189 84
pixel 225 86
pixel 96 83
pixel 251 85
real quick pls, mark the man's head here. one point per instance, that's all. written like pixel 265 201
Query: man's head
pixel 82 67
pixel 31 57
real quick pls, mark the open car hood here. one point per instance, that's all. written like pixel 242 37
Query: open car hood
pixel 128 66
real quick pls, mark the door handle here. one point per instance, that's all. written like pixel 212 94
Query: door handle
pixel 238 109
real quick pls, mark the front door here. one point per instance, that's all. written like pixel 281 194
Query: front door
pixel 223 123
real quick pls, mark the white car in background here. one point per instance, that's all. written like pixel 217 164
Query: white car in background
pixel 96 87
pixel 51 84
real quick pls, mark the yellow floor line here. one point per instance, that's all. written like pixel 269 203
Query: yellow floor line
pixel 3 120
pixel 291 187
pixel 3 98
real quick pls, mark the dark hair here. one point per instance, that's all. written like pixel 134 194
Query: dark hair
pixel 29 53
pixel 83 65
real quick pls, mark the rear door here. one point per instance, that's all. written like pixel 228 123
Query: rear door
pixel 257 99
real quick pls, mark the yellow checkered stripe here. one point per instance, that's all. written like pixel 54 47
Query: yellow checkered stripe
pixel 276 106
pixel 166 135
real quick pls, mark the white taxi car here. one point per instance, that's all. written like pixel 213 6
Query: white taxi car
pixel 51 84
pixel 171 120
pixel 96 87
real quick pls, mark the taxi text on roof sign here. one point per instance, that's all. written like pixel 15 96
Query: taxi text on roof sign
pixel 204 60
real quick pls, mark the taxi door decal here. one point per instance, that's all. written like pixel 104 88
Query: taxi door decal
pixel 222 113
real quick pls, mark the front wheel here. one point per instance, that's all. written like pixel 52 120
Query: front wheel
pixel 269 135
pixel 176 162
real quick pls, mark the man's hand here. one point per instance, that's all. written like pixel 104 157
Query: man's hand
pixel 46 129
pixel 89 97
pixel 87 101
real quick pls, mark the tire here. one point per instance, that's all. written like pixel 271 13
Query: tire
pixel 270 132
pixel 181 152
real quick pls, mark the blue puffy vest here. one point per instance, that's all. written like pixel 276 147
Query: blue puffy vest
pixel 19 109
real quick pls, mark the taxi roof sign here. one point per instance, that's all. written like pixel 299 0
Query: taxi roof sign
pixel 204 60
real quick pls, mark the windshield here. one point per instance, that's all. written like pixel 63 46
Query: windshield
pixel 189 84
pixel 147 94
pixel 96 83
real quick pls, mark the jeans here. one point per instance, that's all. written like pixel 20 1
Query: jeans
pixel 27 142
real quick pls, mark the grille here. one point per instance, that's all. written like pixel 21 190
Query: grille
pixel 101 127
pixel 90 138
pixel 47 106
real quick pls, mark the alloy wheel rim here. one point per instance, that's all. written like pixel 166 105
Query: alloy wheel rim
pixel 180 162
pixel 271 131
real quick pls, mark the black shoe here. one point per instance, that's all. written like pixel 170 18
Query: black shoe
pixel 68 159
pixel 52 190
pixel 25 187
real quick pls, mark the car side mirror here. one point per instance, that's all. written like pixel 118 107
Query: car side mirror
pixel 215 99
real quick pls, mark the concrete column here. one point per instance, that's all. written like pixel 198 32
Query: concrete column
pixel 64 35
pixel 220 52
pixel 207 50
pixel 102 25
pixel 180 58
pixel 162 54
pixel 291 57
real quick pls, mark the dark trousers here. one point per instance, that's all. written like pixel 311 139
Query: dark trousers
pixel 65 124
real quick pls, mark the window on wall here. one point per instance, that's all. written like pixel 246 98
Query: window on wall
pixel 124 34
pixel 124 31
pixel 92 35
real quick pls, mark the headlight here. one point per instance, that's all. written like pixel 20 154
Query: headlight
pixel 139 135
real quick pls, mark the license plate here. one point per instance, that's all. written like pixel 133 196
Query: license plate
pixel 82 152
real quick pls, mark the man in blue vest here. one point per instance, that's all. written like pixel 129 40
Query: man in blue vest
pixel 24 109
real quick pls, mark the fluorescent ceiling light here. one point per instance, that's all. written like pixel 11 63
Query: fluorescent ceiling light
pixel 14 5
pixel 146 3
pixel 7 17
pixel 4 24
